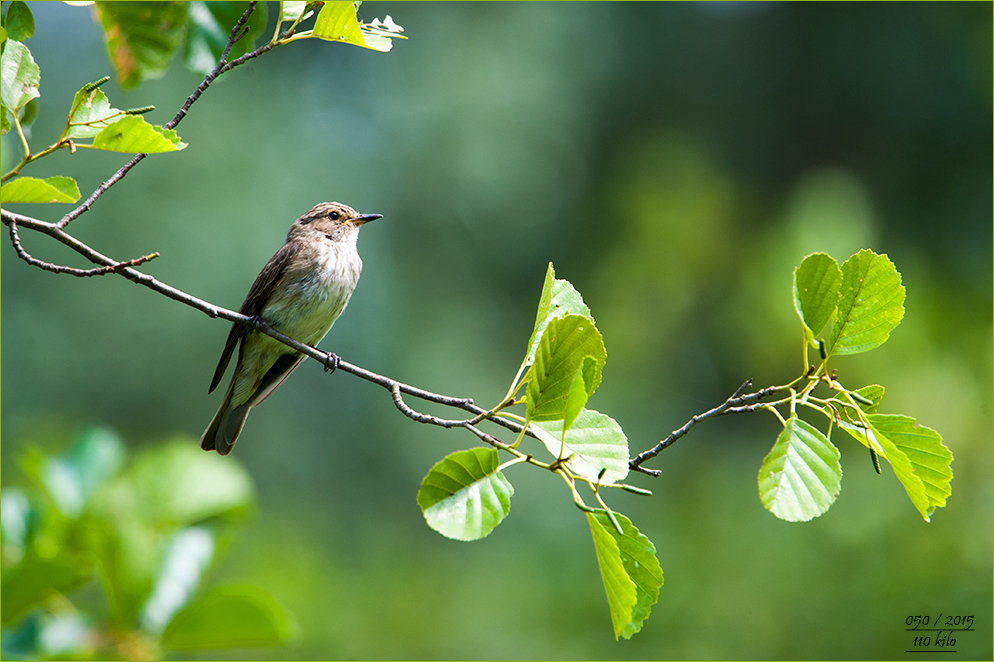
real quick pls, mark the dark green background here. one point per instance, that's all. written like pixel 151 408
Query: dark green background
pixel 675 162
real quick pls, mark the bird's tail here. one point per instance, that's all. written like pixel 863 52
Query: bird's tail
pixel 225 427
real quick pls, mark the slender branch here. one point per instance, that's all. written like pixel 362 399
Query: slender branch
pixel 222 66
pixel 734 404
pixel 58 269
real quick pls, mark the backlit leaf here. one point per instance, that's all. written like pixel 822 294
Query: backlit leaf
pixel 464 496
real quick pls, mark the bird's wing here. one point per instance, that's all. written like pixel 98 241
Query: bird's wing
pixel 254 301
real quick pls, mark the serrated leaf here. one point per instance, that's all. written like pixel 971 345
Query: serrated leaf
pixel 595 441
pixel 559 298
pixel 629 569
pixel 91 112
pixel 464 497
pixel 930 459
pixel 208 30
pixel 231 617
pixel 871 304
pixel 31 190
pixel 133 134
pixel 801 476
pixel 19 76
pixel 816 291
pixel 19 22
pixel 141 37
pixel 876 440
pixel 564 348
pixel 337 21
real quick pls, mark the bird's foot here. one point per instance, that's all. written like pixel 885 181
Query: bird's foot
pixel 333 359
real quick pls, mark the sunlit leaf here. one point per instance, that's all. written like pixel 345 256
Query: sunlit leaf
pixel 291 11
pixel 595 441
pixel 142 37
pixel 337 22
pixel 930 459
pixel 231 617
pixel 91 112
pixel 31 190
pixel 629 569
pixel 464 496
pixel 871 304
pixel 816 291
pixel 564 348
pixel 559 298
pixel 19 22
pixel 19 76
pixel 801 476
pixel 133 134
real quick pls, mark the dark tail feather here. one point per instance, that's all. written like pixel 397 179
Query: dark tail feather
pixel 225 427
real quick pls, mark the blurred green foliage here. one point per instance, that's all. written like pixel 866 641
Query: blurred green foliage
pixel 675 162
pixel 103 558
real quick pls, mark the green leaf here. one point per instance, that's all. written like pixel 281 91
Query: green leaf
pixel 35 579
pixel 930 459
pixel 464 497
pixel 91 112
pixel 142 37
pixel 29 189
pixel 816 291
pixel 208 30
pixel 231 617
pixel 19 22
pixel 19 76
pixel 578 394
pixel 877 441
pixel 801 476
pixel 629 569
pixel 871 304
pixel 595 441
pixel 291 11
pixel 559 298
pixel 133 134
pixel 337 22
pixel 177 483
pixel 564 349
pixel 4 122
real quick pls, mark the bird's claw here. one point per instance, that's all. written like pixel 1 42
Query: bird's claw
pixel 334 362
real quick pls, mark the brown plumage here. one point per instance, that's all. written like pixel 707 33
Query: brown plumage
pixel 301 291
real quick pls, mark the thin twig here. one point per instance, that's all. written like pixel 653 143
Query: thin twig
pixel 72 271
pixel 734 404
pixel 221 67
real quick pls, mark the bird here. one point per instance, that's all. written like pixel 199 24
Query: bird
pixel 300 292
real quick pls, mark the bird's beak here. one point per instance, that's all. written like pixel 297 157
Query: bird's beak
pixel 366 218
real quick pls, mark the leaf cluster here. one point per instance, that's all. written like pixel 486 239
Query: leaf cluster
pixel 466 495
pixel 142 40
pixel 105 555
pixel 801 476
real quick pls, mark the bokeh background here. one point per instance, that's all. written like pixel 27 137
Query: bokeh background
pixel 675 162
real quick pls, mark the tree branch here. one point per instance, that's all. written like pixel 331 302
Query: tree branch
pixel 733 405
pixel 222 66
pixel 58 269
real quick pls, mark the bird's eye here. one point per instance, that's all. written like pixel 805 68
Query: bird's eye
pixel 333 215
